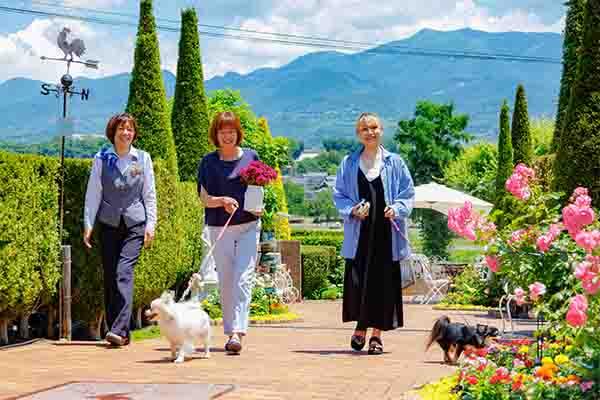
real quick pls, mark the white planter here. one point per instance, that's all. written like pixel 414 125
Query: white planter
pixel 253 200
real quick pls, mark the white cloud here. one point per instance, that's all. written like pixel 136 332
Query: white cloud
pixel 360 20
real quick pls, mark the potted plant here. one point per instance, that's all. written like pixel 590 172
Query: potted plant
pixel 256 175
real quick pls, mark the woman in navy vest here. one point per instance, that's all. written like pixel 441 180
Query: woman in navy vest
pixel 374 193
pixel 222 192
pixel 121 196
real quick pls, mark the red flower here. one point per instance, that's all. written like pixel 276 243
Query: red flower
pixel 471 379
pixel 258 173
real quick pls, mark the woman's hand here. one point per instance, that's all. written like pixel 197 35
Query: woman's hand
pixel 229 204
pixel 257 213
pixel 389 212
pixel 361 210
pixel 87 238
pixel 148 238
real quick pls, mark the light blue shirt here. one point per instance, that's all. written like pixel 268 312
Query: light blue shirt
pixel 93 195
pixel 399 194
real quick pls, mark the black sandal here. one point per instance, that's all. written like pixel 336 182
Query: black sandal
pixel 357 342
pixel 375 345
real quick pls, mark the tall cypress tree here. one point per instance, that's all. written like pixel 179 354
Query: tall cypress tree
pixel 521 136
pixel 578 157
pixel 571 45
pixel 147 97
pixel 505 153
pixel 190 116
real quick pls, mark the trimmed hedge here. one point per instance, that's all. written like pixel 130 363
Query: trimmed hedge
pixel 317 263
pixel 578 156
pixel 29 243
pixel 189 118
pixel 319 238
pixel 543 167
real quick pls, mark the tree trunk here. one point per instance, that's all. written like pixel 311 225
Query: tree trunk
pixel 3 331
pixel 24 327
pixel 138 319
pixel 51 320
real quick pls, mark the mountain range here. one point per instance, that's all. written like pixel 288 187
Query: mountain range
pixel 320 94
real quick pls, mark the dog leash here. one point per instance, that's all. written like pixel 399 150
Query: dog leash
pixel 210 250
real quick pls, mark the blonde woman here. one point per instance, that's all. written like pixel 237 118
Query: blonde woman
pixel 374 193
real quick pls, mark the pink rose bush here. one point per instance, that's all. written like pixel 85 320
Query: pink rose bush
pixel 549 255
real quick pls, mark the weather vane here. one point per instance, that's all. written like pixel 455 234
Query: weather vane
pixel 71 48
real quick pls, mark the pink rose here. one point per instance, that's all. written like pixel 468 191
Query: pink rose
pixel 536 290
pixel 544 242
pixel 493 263
pixel 520 296
pixel 577 314
pixel 588 240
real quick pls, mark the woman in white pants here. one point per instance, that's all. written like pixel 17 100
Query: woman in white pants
pixel 222 191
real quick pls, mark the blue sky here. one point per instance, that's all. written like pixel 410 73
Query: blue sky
pixel 24 38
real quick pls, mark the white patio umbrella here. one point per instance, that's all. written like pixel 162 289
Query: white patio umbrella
pixel 441 198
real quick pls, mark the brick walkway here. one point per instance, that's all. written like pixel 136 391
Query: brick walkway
pixel 307 360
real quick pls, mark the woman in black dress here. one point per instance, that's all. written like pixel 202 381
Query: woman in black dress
pixel 374 193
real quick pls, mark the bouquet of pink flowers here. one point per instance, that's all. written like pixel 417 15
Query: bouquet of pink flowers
pixel 258 173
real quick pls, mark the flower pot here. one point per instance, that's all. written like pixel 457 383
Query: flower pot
pixel 253 200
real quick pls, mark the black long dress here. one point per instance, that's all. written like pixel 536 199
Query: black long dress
pixel 372 280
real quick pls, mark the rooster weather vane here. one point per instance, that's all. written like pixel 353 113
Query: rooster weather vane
pixel 75 46
pixel 71 49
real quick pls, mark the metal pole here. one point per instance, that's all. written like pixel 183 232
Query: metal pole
pixel 66 253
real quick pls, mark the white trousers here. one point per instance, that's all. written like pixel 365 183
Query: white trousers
pixel 235 256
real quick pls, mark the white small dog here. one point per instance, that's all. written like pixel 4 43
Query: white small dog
pixel 183 324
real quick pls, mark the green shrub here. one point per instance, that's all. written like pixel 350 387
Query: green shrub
pixel 319 238
pixel 543 170
pixel 29 243
pixel 316 267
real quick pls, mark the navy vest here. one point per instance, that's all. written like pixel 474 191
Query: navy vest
pixel 122 193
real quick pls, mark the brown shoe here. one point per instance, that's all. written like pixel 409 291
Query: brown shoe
pixel 116 340
pixel 233 346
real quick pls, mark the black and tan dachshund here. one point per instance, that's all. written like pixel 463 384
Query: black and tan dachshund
pixel 454 337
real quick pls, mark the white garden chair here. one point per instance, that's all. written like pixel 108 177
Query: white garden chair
pixel 434 277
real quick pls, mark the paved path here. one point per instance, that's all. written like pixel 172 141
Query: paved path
pixel 304 360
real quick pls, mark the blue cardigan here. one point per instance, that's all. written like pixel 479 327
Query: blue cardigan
pixel 399 194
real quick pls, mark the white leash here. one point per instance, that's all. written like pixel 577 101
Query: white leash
pixel 187 290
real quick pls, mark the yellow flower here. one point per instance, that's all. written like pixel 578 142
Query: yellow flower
pixel 569 348
pixel 547 360
pixel 555 346
pixel 524 349
pixel 561 359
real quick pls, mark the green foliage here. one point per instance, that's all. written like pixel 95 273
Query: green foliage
pixel 573 37
pixel 84 147
pixel 431 139
pixel 505 153
pixel 296 147
pixel 542 130
pixel 434 233
pixel 521 135
pixel 342 145
pixel 317 262
pixel 474 171
pixel 469 288
pixel 282 224
pixel 319 238
pixel 543 170
pixel 86 264
pixel 578 156
pixel 189 118
pixel 158 266
pixel 29 243
pixel 327 161
pixel 428 142
pixel 322 207
pixel 147 97
pixel 295 197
